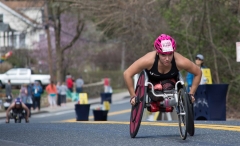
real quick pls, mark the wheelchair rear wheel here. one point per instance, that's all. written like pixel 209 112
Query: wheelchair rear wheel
pixel 191 129
pixel 183 115
pixel 138 108
pixel 18 118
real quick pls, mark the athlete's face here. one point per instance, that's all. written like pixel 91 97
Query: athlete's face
pixel 17 106
pixel 165 59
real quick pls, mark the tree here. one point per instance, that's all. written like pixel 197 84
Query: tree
pixel 210 28
pixel 59 40
pixel 133 23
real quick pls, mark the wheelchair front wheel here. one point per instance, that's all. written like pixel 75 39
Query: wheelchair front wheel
pixel 138 108
pixel 183 114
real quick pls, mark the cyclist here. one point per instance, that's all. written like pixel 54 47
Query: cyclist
pixel 161 64
pixel 17 107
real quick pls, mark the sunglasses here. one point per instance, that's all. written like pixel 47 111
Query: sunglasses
pixel 198 59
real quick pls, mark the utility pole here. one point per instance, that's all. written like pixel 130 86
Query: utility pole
pixel 48 39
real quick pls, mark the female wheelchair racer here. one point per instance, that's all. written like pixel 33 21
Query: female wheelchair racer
pixel 155 67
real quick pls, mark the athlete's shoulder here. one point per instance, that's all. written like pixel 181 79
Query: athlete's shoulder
pixel 181 61
pixel 178 55
pixel 146 60
pixel 149 57
pixel 150 54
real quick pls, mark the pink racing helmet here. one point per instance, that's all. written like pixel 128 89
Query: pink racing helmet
pixel 165 44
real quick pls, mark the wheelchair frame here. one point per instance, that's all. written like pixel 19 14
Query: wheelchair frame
pixel 183 106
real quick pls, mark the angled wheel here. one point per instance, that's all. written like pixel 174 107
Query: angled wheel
pixel 191 129
pixel 18 119
pixel 183 113
pixel 138 108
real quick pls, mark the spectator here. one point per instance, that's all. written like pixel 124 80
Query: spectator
pixel 52 94
pixel 33 102
pixel 37 91
pixel 79 84
pixel 63 93
pixel 73 79
pixel 199 62
pixel 23 93
pixel 29 101
pixel 68 76
pixel 58 94
pixel 29 94
pixel 106 82
pixel 69 83
pixel 8 90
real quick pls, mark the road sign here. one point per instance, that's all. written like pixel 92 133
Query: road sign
pixel 106 105
pixel 207 74
pixel 83 98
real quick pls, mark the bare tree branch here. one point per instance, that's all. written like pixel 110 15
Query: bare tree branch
pixel 78 33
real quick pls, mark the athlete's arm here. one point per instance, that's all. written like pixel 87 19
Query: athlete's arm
pixel 189 66
pixel 139 65
pixel 8 110
pixel 26 110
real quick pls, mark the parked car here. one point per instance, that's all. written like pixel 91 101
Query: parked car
pixel 19 76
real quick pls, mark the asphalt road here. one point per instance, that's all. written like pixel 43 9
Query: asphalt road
pixel 62 129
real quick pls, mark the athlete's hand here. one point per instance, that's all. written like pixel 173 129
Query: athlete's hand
pixel 193 98
pixel 133 100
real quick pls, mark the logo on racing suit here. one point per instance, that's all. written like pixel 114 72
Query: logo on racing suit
pixel 151 73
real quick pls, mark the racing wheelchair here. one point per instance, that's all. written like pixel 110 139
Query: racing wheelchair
pixel 17 115
pixel 176 98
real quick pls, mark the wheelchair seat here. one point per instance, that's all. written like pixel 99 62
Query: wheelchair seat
pixel 166 86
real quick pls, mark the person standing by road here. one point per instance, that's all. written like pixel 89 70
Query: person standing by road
pixel 199 60
pixel 58 94
pixel 29 102
pixel 8 90
pixel 23 93
pixel 30 94
pixel 79 85
pixel 69 83
pixel 37 91
pixel 52 94
pixel 63 93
